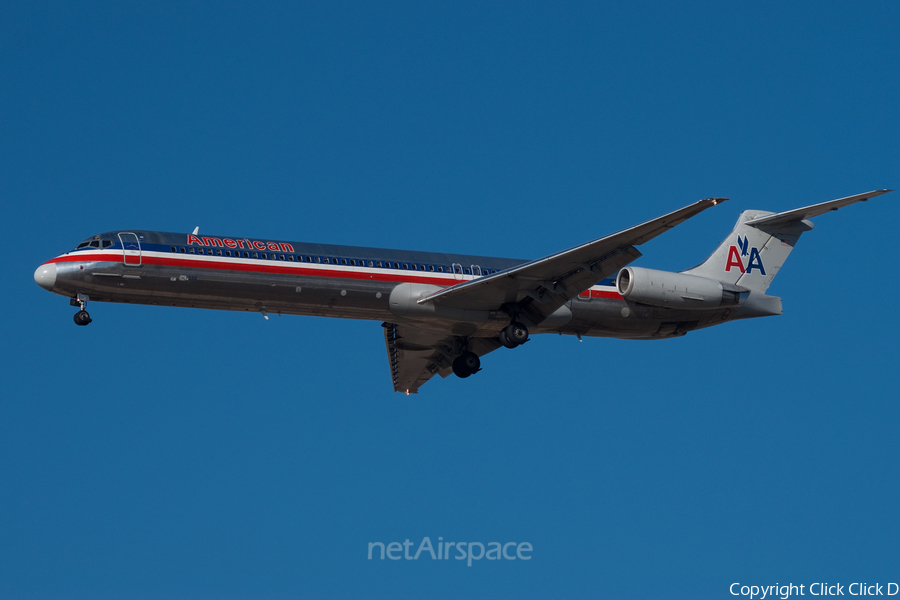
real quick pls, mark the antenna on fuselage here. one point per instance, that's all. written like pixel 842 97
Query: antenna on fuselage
pixel 196 230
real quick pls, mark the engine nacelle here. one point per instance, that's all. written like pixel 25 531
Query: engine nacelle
pixel 677 290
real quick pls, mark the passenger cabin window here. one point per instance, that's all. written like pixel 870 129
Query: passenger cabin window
pixel 173 249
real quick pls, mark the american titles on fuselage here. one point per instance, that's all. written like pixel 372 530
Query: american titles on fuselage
pixel 238 243
pixel 203 242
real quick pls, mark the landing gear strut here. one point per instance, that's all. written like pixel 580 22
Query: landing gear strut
pixel 81 317
pixel 466 364
pixel 514 334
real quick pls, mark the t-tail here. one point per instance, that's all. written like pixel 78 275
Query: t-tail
pixel 753 253
pixel 736 276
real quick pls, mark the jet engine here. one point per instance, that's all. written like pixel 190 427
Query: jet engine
pixel 677 290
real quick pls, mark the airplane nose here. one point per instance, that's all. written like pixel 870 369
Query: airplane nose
pixel 45 276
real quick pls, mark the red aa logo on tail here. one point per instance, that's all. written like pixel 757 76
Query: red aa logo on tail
pixel 754 260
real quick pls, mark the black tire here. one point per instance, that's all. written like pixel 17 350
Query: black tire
pixel 466 364
pixel 82 318
pixel 516 333
pixel 505 340
pixel 459 369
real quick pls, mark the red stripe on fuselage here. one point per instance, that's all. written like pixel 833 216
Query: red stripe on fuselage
pixel 225 265
pixel 325 271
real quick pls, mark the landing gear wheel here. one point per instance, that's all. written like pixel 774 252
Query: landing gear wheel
pixel 466 364
pixel 516 334
pixel 82 318
pixel 505 340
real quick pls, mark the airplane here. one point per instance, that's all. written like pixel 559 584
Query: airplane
pixel 442 312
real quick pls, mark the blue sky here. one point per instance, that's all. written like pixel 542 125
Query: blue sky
pixel 166 452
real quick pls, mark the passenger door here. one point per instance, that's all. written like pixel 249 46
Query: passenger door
pixel 131 249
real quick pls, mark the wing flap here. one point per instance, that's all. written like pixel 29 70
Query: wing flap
pixel 416 355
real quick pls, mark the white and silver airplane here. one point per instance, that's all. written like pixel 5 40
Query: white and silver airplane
pixel 442 312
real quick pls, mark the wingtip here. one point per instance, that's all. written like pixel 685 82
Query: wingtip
pixel 715 201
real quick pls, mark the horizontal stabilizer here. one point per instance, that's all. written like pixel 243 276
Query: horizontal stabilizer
pixel 815 210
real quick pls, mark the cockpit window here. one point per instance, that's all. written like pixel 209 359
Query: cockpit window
pixel 107 243
pixel 92 242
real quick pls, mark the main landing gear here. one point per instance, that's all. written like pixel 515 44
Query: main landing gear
pixel 514 334
pixel 81 317
pixel 466 364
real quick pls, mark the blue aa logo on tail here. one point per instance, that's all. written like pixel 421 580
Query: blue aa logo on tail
pixel 735 254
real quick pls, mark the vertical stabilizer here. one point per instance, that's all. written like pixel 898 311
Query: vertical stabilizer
pixel 752 255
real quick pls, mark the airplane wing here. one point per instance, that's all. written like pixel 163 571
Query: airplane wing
pixel 815 210
pixel 541 286
pixel 416 355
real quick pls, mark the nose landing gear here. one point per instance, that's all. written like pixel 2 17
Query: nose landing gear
pixel 81 317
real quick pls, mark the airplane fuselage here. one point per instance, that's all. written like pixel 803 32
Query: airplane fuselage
pixel 276 277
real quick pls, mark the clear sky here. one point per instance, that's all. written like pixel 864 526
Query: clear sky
pixel 173 453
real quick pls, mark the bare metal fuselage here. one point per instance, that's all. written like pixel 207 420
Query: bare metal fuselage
pixel 164 270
